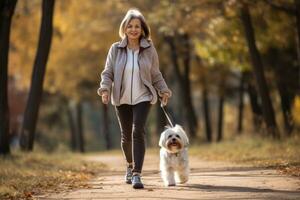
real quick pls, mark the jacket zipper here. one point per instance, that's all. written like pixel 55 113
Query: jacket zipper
pixel 138 61
pixel 132 73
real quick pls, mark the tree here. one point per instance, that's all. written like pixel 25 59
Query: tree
pixel 79 127
pixel 7 8
pixel 184 81
pixel 292 9
pixel 241 103
pixel 36 89
pixel 205 99
pixel 257 65
pixel 206 111
pixel 81 61
pixel 188 102
pixel 220 117
pixel 254 101
pixel 71 121
pixel 281 76
pixel 223 91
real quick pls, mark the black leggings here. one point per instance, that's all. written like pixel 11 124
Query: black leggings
pixel 132 119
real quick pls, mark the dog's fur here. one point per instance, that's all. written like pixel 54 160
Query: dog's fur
pixel 174 164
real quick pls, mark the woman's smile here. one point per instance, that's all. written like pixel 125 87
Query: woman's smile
pixel 133 34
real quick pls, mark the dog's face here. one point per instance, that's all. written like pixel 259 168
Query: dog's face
pixel 173 139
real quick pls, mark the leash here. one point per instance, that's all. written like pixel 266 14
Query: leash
pixel 166 114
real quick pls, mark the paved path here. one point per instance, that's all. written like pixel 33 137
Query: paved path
pixel 208 180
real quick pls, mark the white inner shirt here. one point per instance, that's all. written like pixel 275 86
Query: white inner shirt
pixel 133 89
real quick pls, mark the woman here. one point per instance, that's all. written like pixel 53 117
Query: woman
pixel 132 79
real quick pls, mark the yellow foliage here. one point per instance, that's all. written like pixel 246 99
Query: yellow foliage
pixel 23 174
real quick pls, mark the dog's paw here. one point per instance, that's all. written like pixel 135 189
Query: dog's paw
pixel 170 183
pixel 182 179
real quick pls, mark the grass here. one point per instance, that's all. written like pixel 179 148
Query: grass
pixel 282 155
pixel 23 175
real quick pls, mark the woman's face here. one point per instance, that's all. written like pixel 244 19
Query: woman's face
pixel 134 29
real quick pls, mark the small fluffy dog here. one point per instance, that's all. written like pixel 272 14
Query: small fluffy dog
pixel 174 164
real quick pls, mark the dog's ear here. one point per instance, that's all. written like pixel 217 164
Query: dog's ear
pixel 184 136
pixel 162 139
pixel 186 139
pixel 187 142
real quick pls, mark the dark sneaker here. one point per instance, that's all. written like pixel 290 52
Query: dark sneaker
pixel 136 182
pixel 128 175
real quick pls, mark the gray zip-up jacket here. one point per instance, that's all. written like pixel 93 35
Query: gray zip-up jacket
pixel 112 75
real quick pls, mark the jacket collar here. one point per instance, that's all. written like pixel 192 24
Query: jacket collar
pixel 143 43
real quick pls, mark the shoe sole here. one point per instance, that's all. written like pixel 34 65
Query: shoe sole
pixel 138 186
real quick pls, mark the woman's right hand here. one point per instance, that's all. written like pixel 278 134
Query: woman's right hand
pixel 105 97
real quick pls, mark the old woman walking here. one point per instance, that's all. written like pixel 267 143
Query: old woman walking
pixel 131 79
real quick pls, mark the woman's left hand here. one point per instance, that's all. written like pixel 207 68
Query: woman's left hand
pixel 164 99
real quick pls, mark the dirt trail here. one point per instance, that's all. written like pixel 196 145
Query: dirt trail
pixel 208 180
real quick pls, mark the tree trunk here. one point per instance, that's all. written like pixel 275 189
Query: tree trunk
pixel 36 88
pixel 241 103
pixel 205 101
pixel 255 106
pixel 192 118
pixel 257 66
pixel 184 84
pixel 220 118
pixel 105 127
pixel 285 107
pixel 80 138
pixel 7 10
pixel 71 121
pixel 206 111
pixel 174 58
pixel 285 97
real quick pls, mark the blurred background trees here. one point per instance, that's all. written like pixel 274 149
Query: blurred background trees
pixel 233 67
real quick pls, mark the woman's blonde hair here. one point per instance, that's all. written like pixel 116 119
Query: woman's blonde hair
pixel 134 14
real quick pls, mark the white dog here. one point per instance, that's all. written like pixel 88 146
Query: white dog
pixel 174 164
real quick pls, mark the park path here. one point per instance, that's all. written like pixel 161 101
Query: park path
pixel 208 180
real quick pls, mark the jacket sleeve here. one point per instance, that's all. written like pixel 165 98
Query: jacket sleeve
pixel 107 75
pixel 157 79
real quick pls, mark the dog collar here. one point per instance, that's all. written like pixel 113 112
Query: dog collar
pixel 176 154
